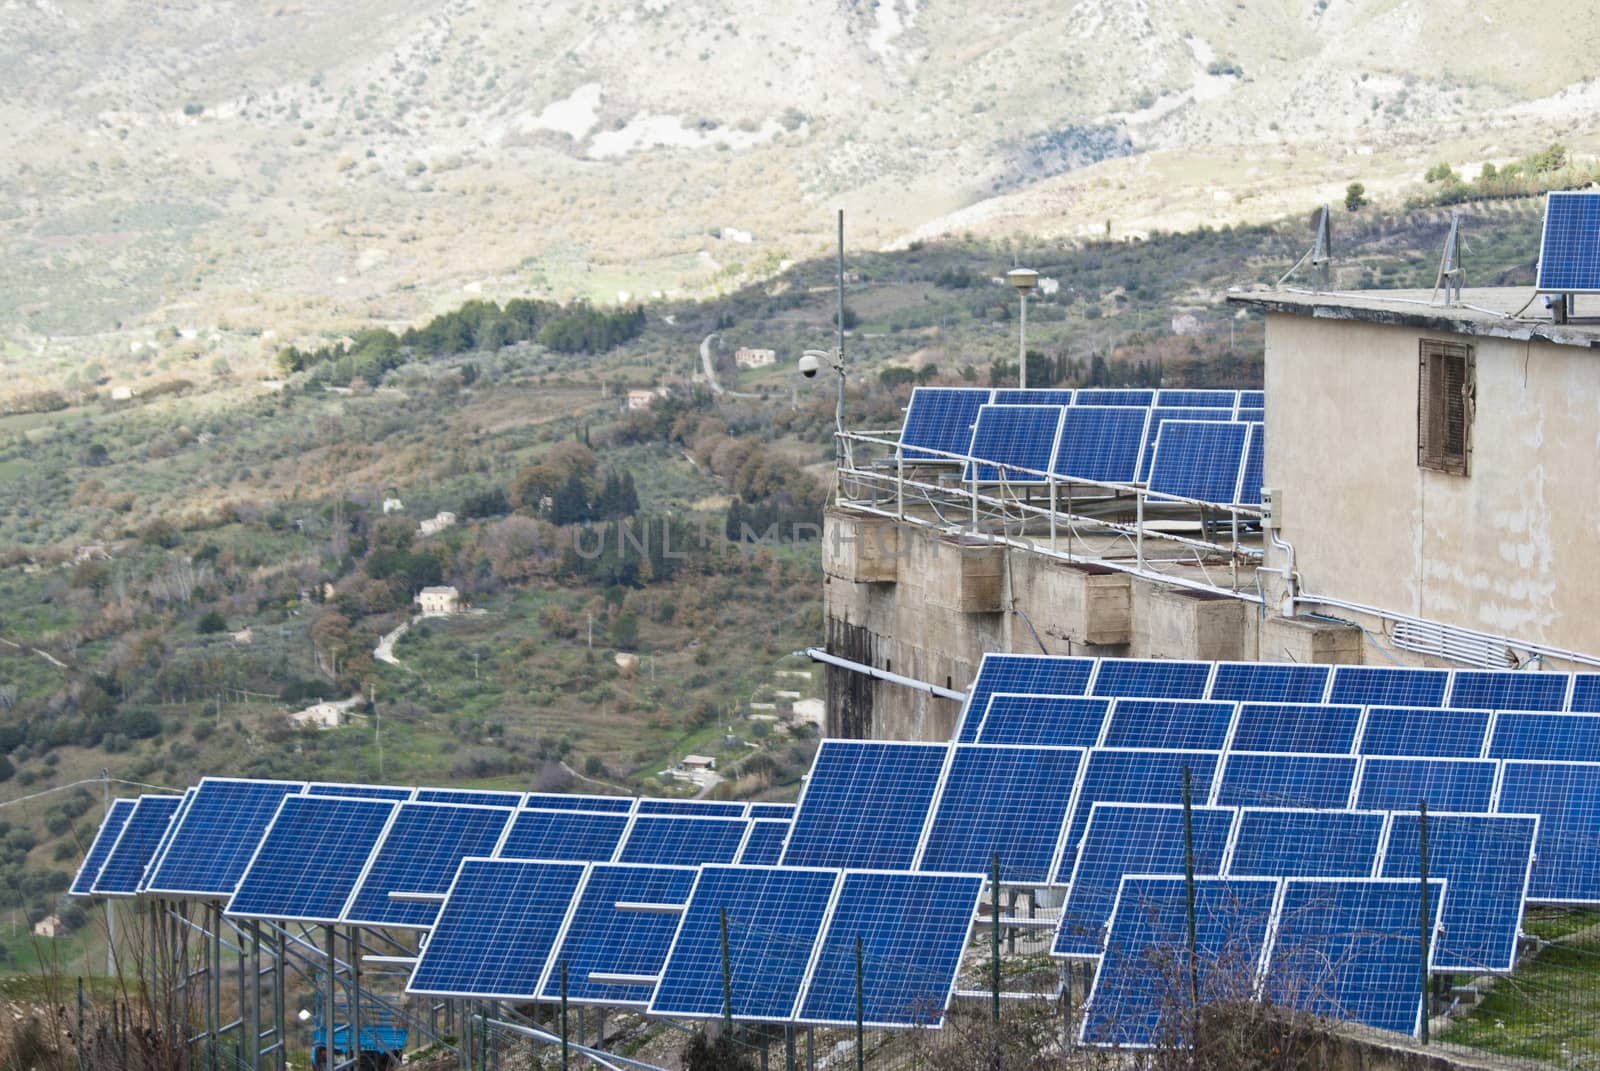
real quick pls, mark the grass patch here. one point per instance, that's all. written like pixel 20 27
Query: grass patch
pixel 1547 1010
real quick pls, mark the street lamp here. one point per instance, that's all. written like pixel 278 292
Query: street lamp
pixel 1024 279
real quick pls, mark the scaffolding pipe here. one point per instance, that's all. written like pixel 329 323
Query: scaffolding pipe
pixel 817 654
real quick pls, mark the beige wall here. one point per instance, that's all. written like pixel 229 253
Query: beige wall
pixel 1509 549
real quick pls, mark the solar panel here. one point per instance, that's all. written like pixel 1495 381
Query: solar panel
pixel 1131 839
pixel 1140 996
pixel 166 837
pixel 1117 396
pixel 774 916
pixel 496 930
pixel 1391 784
pixel 557 801
pixel 784 811
pixel 940 418
pixel 1558 737
pixel 1307 844
pixel 370 792
pixel 1254 474
pixel 865 804
pixel 1251 415
pixel 1349 949
pixel 1020 436
pixel 1101 443
pixel 1021 674
pixel 1329 730
pixel 1569 251
pixel 912 928
pixel 1432 732
pixel 1152 429
pixel 1256 682
pixel 1012 396
pixel 610 939
pixel 1043 719
pixel 135 846
pixel 1264 779
pixel 1381 686
pixel 1585 693
pixel 216 836
pixel 764 845
pixel 581 836
pixel 1566 797
pixel 702 808
pixel 1256 398
pixel 1136 678
pixel 1112 776
pixel 311 858
pixel 1198 460
pixel 1005 800
pixel 1198 399
pixel 1487 860
pixel 469 796
pixel 1509 691
pixel 667 840
pixel 420 854
pixel 1169 723
pixel 110 828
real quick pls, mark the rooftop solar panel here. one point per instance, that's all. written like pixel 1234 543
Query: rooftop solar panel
pixel 1101 443
pixel 1151 679
pixel 1021 674
pixel 1509 691
pixel 1349 949
pixel 1255 460
pixel 1569 252
pixel 764 845
pixel 774 917
pixel 865 804
pixel 420 854
pixel 1566 797
pixel 1169 723
pixel 469 796
pixel 1112 776
pixel 216 836
pixel 784 811
pixel 1256 398
pixel 1140 997
pixel 1022 437
pixel 311 858
pixel 1428 732
pixel 1557 737
pixel 1160 414
pixel 1005 800
pixel 1198 460
pixel 679 840
pixel 1329 730
pixel 110 827
pixel 558 801
pixel 1307 844
pixel 1131 839
pixel 496 930
pixel 371 792
pixel 1198 399
pixel 1392 784
pixel 1043 719
pixel 580 836
pixel 1585 694
pixel 701 808
pixel 135 846
pixel 912 929
pixel 940 419
pixel 1381 686
pixel 610 938
pixel 1012 396
pixel 1257 779
pixel 1256 682
pixel 1487 860
pixel 1117 396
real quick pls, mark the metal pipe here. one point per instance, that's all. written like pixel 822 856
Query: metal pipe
pixel 817 654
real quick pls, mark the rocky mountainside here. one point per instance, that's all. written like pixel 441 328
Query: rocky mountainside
pixel 227 175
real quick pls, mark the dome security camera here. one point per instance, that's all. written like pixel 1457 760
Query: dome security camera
pixel 809 365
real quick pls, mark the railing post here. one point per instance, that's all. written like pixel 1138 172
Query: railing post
pixel 1138 535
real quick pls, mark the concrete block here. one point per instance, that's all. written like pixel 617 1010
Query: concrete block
pixel 1299 639
pixel 1084 603
pixel 964 576
pixel 860 547
pixel 1174 622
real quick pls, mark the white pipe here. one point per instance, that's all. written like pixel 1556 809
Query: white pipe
pixel 817 654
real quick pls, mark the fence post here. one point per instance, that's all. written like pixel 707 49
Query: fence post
pixel 861 1011
pixel 1188 888
pixel 564 1050
pixel 727 976
pixel 994 937
pixel 1422 844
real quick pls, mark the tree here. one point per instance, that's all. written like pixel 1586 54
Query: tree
pixel 1355 197
pixel 210 623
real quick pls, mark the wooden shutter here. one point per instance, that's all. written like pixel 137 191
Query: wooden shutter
pixel 1445 376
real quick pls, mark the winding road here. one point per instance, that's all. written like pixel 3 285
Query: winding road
pixel 711 372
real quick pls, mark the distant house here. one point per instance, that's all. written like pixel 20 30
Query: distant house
pixel 698 762
pixel 392 505
pixel 746 357
pixel 49 926
pixel 641 399
pixel 328 714
pixel 439 601
pixel 122 394
pixel 435 525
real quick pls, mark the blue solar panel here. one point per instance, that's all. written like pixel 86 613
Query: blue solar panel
pixel 1254 474
pixel 1569 253
pixel 1152 430
pixel 1006 800
pixel 1486 859
pixel 764 845
pixel 370 792
pixel 702 808
pixel 496 930
pixel 1381 686
pixel 1427 731
pixel 676 840
pixel 1256 682
pixel 1256 779
pixel 1169 723
pixel 311 858
pixel 1389 784
pixel 865 804
pixel 1307 844
pixel 1198 399
pixel 110 828
pixel 774 917
pixel 1557 737
pixel 1022 674
pixel 605 943
pixel 581 836
pixel 941 418
pixel 557 801
pixel 1256 398
pixel 166 837
pixel 1012 396
pixel 784 811
pixel 1509 691
pixel 1287 727
pixel 1101 443
pixel 1117 396
pixel 1151 679
pixel 1566 797
pixel 1021 436
pixel 1198 460
pixel 420 854
pixel 1251 415
pixel 912 928
pixel 469 796
pixel 1131 839
pixel 1140 996
pixel 135 847
pixel 1585 694
pixel 216 836
pixel 1349 949
pixel 1043 719
pixel 1138 777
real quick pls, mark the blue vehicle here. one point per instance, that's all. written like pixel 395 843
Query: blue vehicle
pixel 383 1039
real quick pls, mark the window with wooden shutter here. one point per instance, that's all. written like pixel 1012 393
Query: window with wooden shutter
pixel 1444 406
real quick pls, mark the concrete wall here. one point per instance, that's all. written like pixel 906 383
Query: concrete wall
pixel 1508 548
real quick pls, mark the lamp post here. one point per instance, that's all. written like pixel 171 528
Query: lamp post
pixel 1024 279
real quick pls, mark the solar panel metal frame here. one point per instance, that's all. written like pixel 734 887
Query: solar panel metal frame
pixel 1198 461
pixel 1009 699
pixel 1244 730
pixel 1546 828
pixel 1116 397
pixel 161 848
pixel 1368 762
pixel 952 439
pixel 1113 442
pixel 1565 277
pixel 155 889
pixel 1158 677
pixel 1381 716
pixel 1307 683
pixel 1252 474
pixel 681 822
pixel 873 853
pixel 1032 674
pixel 561 801
pixel 354 790
pixel 314 864
pixel 1374 674
pixel 100 889
pixel 553 815
pixel 105 838
pixel 1287 759
pixel 1160 414
pixel 1565 737
pixel 1014 458
pixel 1215 717
pixel 354 918
pixel 471 797
pixel 1380 838
pixel 1196 398
pixel 1510 690
pixel 666 807
pixel 1202 777
pixel 1042 396
pixel 762 828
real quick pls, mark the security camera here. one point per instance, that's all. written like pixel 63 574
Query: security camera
pixel 809 365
